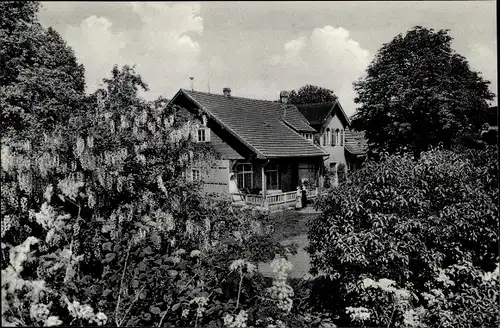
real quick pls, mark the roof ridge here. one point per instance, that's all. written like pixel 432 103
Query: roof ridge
pixel 222 96
pixel 317 103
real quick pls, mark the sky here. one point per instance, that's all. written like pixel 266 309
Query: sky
pixel 260 48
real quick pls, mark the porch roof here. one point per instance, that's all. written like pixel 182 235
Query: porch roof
pixel 264 126
pixel 355 142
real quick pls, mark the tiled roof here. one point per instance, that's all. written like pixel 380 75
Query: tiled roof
pixel 293 117
pixel 355 142
pixel 317 113
pixel 258 124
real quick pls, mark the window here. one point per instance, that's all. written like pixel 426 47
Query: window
pixel 244 175
pixel 325 138
pixel 271 171
pixel 307 136
pixel 195 175
pixel 341 137
pixel 327 135
pixel 337 137
pixel 203 135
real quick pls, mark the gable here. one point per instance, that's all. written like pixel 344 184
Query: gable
pixel 319 113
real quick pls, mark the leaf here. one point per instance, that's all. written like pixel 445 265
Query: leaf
pixel 135 283
pixel 110 257
pixel 218 291
pixel 154 310
pixel 142 266
pixel 107 246
pixel 148 250
pixel 176 306
pixel 106 292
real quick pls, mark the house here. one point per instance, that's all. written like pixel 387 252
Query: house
pixel 334 136
pixel 267 145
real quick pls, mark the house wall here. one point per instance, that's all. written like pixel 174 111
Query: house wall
pixel 214 175
pixel 216 178
pixel 337 152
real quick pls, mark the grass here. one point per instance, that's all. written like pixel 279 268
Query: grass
pixel 290 223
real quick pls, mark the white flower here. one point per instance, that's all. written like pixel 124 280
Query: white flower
pixel 236 321
pixel 185 313
pixel 201 301
pixel 367 282
pixel 410 318
pixel 52 321
pixel 228 319
pixel 241 319
pixel 358 313
pixel 86 312
pixel 180 251
pixel 195 253
pixel 402 294
pixel 39 312
pixel 488 276
pixel 100 319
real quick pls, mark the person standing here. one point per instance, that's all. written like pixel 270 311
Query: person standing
pixel 304 195
pixel 298 201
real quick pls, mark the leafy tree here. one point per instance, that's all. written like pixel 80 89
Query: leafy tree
pixel 41 83
pixel 409 221
pixel 419 92
pixel 309 94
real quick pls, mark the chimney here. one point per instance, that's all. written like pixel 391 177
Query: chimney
pixel 226 92
pixel 284 97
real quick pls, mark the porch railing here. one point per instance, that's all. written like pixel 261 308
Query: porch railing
pixel 276 200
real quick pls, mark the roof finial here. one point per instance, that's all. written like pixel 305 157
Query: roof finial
pixel 192 83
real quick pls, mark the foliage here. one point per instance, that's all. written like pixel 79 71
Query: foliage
pixel 341 173
pixel 309 94
pixel 41 82
pixel 406 220
pixel 418 92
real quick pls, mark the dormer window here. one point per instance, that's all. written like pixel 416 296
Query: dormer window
pixel 307 136
pixel 203 134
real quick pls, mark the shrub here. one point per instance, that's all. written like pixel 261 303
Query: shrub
pixel 405 220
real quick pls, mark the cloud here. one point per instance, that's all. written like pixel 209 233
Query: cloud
pixel 484 59
pixel 96 46
pixel 163 45
pixel 328 57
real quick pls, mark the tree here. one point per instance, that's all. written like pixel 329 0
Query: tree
pixel 420 224
pixel 309 94
pixel 419 92
pixel 41 83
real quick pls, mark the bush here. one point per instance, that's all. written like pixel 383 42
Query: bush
pixel 407 221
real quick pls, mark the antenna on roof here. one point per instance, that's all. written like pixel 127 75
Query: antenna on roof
pixel 192 83
pixel 208 84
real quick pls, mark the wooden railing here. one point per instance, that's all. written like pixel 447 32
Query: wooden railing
pixel 281 198
pixel 275 200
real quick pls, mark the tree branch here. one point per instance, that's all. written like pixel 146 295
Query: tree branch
pixel 121 284
pixel 130 306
